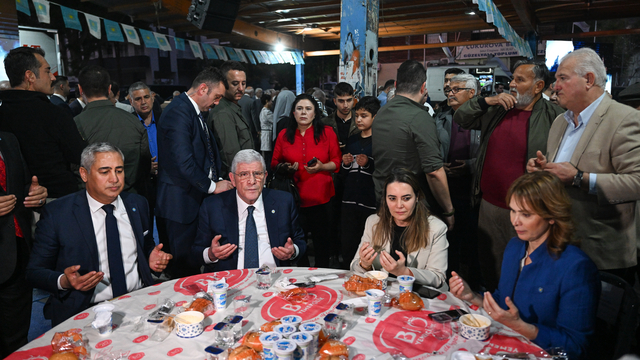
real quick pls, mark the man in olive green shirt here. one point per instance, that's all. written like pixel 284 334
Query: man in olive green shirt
pixel 405 136
pixel 101 121
pixel 231 129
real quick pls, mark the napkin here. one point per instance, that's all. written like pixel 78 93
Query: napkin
pixel 357 302
pixel 283 284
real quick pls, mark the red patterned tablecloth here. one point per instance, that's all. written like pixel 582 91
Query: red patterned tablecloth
pixel 396 331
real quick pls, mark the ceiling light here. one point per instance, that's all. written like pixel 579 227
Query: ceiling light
pixel 279 47
pixel 470 13
pixel 284 11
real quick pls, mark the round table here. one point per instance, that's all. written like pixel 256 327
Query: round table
pixel 396 331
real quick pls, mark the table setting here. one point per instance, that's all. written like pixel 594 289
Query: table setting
pixel 288 314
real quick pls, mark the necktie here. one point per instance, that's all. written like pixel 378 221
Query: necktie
pixel 209 147
pixel 114 253
pixel 251 260
pixel 3 184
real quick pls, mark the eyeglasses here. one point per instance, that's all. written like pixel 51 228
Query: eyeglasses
pixel 245 175
pixel 455 90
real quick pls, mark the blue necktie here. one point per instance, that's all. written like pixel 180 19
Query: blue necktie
pixel 114 252
pixel 212 158
pixel 251 260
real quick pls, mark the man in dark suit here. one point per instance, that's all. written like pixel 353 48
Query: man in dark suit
pixel 261 224
pixel 78 234
pixel 60 93
pixel 49 139
pixel 246 104
pixel 19 193
pixel 188 167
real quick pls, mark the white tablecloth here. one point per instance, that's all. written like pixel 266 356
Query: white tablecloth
pixel 396 331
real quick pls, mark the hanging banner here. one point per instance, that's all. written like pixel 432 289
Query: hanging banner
pixel 149 39
pixel 265 57
pixel 70 18
pixel 42 10
pixel 195 47
pixel 163 43
pixel 131 33
pixel 250 56
pixel 232 53
pixel 94 25
pixel 222 55
pixel 211 54
pixel 179 43
pixel 23 6
pixel 241 55
pixel 113 31
pixel 258 56
pixel 278 56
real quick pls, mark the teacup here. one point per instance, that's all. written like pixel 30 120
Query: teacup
pixel 470 330
pixel 189 324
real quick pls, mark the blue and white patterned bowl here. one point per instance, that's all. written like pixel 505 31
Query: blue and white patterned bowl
pixel 189 324
pixel 472 332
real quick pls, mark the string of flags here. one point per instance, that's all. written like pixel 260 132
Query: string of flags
pixel 156 40
pixel 495 17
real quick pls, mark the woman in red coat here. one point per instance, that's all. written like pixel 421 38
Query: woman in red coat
pixel 311 149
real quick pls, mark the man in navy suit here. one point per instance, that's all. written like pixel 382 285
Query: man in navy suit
pixel 78 233
pixel 249 227
pixel 61 91
pixel 188 167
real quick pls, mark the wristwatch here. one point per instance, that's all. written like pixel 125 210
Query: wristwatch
pixel 577 180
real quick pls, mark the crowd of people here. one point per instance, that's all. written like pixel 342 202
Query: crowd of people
pixel 512 202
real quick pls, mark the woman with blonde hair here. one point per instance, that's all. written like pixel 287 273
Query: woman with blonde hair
pixel 403 238
pixel 548 289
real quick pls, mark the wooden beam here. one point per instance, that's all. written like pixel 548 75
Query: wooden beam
pixel 525 13
pixel 295 7
pixel 591 34
pixel 413 47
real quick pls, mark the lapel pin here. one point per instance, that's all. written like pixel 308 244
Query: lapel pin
pixel 540 289
pixel 273 211
pixel 134 209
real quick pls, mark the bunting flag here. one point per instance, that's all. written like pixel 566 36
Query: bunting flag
pixel 266 57
pixel 23 6
pixel 279 57
pixel 93 22
pixel 70 18
pixel 195 47
pixel 113 31
pixel 163 43
pixel 211 54
pixel 494 16
pixel 131 33
pixel 241 55
pixel 179 43
pixel 222 55
pixel 286 56
pixel 232 53
pixel 42 10
pixel 149 39
pixel 258 56
pixel 250 56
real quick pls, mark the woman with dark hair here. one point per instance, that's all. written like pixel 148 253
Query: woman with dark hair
pixel 403 238
pixel 310 150
pixel 549 288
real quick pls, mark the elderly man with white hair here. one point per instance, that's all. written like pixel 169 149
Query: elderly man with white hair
pixel 594 148
pixel 250 226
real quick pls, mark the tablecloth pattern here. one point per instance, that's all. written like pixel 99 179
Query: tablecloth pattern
pixel 395 332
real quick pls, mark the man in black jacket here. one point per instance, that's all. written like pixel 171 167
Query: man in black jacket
pixel 19 193
pixel 61 91
pixel 49 139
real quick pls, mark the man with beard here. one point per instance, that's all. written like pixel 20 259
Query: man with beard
pixel 513 129
pixel 231 130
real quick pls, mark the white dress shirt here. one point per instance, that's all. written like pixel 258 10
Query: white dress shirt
pixel 212 187
pixel 573 134
pixel 264 245
pixel 128 247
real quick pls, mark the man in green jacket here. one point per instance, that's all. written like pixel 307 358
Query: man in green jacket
pixel 513 126
pixel 231 129
pixel 101 121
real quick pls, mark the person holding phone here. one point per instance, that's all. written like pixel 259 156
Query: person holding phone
pixel 310 150
pixel 549 288
pixel 403 238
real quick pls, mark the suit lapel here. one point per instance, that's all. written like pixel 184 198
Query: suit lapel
pixel 271 214
pixel 82 213
pixel 592 126
pixel 231 221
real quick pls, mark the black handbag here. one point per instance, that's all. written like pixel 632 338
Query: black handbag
pixel 282 179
